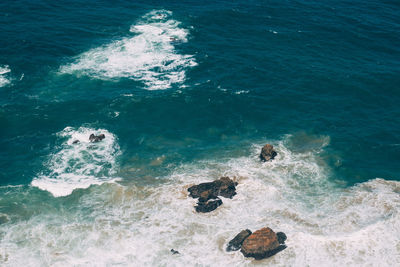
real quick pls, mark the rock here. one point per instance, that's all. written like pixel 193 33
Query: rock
pixel 75 142
pixel 261 244
pixel 268 153
pixel 209 205
pixel 96 138
pixel 208 193
pixel 174 251
pixel 222 187
pixel 281 237
pixel 236 242
pixel 227 187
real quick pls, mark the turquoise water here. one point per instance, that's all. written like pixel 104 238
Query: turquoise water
pixel 185 93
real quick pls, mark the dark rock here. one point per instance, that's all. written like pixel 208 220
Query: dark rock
pixel 222 187
pixel 96 138
pixel 261 244
pixel 281 237
pixel 236 242
pixel 174 251
pixel 227 187
pixel 75 142
pixel 209 205
pixel 268 153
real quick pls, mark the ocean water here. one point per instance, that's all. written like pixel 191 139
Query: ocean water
pixel 186 92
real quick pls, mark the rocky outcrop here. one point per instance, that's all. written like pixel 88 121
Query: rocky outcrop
pixel 208 193
pixel 96 138
pixel 268 153
pixel 236 242
pixel 262 244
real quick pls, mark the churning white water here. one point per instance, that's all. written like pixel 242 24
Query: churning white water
pixel 148 56
pixel 79 163
pixel 133 225
pixel 4 72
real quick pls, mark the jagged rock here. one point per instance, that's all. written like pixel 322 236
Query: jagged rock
pixel 227 187
pixel 208 193
pixel 268 153
pixel 96 138
pixel 261 244
pixel 174 251
pixel 222 187
pixel 281 237
pixel 209 205
pixel 236 242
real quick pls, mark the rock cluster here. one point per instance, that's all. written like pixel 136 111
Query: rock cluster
pixel 261 244
pixel 208 193
pixel 268 153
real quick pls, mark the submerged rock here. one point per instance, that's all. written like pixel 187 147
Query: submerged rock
pixel 208 193
pixel 261 244
pixel 268 153
pixel 96 138
pixel 209 205
pixel 236 242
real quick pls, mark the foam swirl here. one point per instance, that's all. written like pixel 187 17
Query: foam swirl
pixel 149 56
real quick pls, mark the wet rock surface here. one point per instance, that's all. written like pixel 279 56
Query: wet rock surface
pixel 237 241
pixel 96 138
pixel 262 244
pixel 281 237
pixel 208 193
pixel 224 187
pixel 267 153
pixel 209 205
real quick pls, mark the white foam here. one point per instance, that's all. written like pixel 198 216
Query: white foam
pixel 4 79
pixel 131 225
pixel 79 165
pixel 149 56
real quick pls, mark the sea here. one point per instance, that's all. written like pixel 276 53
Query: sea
pixel 186 92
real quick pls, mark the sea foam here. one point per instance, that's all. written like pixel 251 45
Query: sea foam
pixel 326 225
pixel 4 73
pixel 79 164
pixel 148 56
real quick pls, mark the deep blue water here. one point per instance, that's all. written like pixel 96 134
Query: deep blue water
pixel 262 71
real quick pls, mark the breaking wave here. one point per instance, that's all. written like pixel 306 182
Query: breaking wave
pixel 79 163
pixel 326 224
pixel 149 56
pixel 4 72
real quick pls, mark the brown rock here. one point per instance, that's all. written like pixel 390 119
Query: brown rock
pixel 208 193
pixel 268 153
pixel 227 187
pixel 261 244
pixel 222 187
